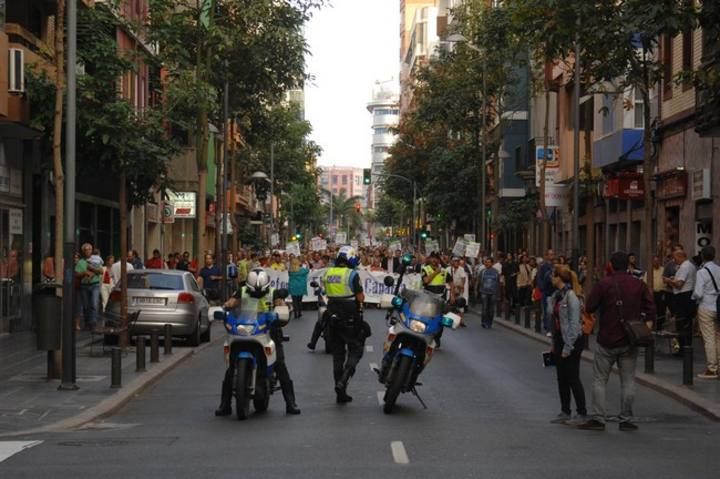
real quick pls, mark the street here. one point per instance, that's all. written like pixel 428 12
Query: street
pixel 489 406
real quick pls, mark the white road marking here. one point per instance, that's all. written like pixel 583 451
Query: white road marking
pixel 369 348
pixel 381 397
pixel 23 412
pixel 10 448
pixel 399 454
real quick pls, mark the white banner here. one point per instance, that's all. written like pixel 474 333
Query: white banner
pixel 459 249
pixel 293 248
pixel 373 283
pixel 341 238
pixel 469 238
pixel 317 244
pixel 431 245
pixel 472 250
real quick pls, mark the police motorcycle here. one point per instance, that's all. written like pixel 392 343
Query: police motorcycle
pixel 322 325
pixel 250 346
pixel 414 318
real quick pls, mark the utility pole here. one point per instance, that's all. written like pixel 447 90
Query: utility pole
pixel 272 191
pixel 576 155
pixel 68 331
pixel 483 166
pixel 223 186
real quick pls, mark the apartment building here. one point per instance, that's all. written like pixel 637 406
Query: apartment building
pixel 420 26
pixel 342 181
pixel 384 107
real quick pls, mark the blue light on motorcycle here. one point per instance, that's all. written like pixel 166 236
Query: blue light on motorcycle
pixel 447 322
pixel 397 301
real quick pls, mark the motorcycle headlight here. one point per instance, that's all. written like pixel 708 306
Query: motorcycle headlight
pixel 245 329
pixel 417 326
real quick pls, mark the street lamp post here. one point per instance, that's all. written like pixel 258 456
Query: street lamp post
pixel 223 187
pixel 576 156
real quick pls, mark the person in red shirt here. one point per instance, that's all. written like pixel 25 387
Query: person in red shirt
pixel 156 262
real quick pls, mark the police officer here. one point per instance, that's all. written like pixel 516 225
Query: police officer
pixel 258 297
pixel 348 331
pixel 437 280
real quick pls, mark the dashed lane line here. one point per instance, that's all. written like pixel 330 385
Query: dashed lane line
pixel 399 453
pixel 370 348
pixel 381 397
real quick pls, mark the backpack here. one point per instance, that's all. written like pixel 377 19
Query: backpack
pixel 489 281
pixel 717 290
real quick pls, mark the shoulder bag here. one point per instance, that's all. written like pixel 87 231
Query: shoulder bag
pixel 636 331
pixel 717 298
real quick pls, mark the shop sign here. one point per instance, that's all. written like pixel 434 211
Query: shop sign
pixel 701 184
pixel 185 204
pixel 551 165
pixel 703 235
pixel 627 186
pixel 168 212
pixel 152 213
pixel 556 196
pixel 15 220
pixel 672 184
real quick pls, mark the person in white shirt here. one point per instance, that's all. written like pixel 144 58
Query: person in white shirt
pixel 707 284
pixel 683 284
pixel 115 272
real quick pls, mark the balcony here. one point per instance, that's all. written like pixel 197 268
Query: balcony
pixel 383 139
pixel 707 98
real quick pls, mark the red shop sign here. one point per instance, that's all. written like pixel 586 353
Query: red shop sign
pixel 672 184
pixel 625 186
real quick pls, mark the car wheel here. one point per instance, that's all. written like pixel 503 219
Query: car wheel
pixel 206 335
pixel 194 338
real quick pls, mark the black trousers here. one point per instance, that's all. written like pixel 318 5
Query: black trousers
pixel 661 307
pixel 487 302
pixel 297 306
pixel 347 338
pixel 684 309
pixel 568 378
pixel 524 294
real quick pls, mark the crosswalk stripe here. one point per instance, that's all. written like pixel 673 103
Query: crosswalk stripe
pixel 10 448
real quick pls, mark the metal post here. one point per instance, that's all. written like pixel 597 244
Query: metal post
pixel 650 358
pixel 154 347
pixel 272 188
pixel 687 351
pixel 415 240
pixel 167 340
pixel 68 343
pixel 483 166
pixel 576 156
pixel 527 311
pixel 223 189
pixel 538 318
pixel 116 368
pixel 140 354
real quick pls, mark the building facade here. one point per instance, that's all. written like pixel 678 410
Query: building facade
pixel 342 181
pixel 385 110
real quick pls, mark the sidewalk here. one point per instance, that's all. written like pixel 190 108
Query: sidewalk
pixel 703 395
pixel 30 403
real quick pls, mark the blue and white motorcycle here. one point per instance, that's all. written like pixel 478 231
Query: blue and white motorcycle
pixel 415 318
pixel 250 346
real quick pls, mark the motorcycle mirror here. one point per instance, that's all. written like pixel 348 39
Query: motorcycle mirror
pixel 282 293
pixel 217 314
pixel 389 281
pixel 314 284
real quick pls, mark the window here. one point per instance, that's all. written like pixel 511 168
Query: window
pixel 518 159
pixel 324 180
pixel 357 181
pixel 687 56
pixel 667 66
pixel 381 149
pixel 608 112
pixel 334 179
pixel 344 179
pixel 381 131
pixel 639 108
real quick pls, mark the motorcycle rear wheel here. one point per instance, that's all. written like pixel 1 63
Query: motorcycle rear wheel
pixel 398 377
pixel 243 370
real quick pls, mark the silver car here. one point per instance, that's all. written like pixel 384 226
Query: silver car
pixel 164 297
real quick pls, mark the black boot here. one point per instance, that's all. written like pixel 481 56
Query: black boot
pixel 342 397
pixel 341 386
pixel 289 394
pixel 317 331
pixel 225 408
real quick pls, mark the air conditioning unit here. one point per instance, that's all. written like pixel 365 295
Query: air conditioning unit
pixel 16 70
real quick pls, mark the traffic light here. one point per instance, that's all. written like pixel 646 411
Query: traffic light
pixel 423 234
pixel 367 176
pixel 298 235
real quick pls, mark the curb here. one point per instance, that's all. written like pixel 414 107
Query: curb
pixel 111 404
pixel 679 393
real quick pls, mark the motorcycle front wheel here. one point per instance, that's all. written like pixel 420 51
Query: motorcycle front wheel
pixel 243 371
pixel 398 377
pixel 261 401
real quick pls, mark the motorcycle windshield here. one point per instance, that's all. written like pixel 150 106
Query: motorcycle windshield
pixel 245 317
pixel 425 306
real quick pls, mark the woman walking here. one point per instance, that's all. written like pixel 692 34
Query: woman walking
pixel 298 275
pixel 567 341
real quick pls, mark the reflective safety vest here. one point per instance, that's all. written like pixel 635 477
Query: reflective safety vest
pixel 338 283
pixel 249 304
pixel 439 280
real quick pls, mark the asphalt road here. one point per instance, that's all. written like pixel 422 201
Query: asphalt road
pixel 489 400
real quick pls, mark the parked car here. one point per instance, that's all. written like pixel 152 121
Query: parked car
pixel 164 297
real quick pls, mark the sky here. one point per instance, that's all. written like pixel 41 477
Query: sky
pixel 353 44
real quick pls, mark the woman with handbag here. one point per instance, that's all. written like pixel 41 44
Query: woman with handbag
pixel 568 341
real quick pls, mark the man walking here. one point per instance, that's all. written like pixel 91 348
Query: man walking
pixel 544 283
pixel 618 296
pixel 707 288
pixel 683 284
pixel 89 273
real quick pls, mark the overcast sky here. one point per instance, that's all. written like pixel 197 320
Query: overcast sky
pixel 353 43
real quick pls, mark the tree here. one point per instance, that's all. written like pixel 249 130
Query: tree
pixel 345 212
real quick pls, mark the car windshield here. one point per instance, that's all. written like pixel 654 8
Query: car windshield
pixel 155 281
pixel 424 305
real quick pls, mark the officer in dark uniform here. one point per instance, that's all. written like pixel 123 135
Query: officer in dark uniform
pixel 348 331
pixel 257 296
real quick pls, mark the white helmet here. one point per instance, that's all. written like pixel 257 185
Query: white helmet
pixel 258 282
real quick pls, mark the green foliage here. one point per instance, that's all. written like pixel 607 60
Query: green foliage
pixel 40 91
pixel 390 211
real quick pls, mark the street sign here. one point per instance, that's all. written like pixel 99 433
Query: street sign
pixel 184 203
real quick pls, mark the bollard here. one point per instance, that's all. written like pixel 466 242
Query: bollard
pixel 154 347
pixel 526 311
pixel 116 366
pixel 688 362
pixel 499 308
pixel 506 311
pixel 140 354
pixel 538 319
pixel 168 340
pixel 516 314
pixel 650 358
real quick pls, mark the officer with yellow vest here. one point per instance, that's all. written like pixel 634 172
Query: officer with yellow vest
pixel 257 296
pixel 437 280
pixel 348 331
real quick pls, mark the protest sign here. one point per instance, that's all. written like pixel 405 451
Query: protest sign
pixel 472 250
pixel 274 239
pixel 394 246
pixel 459 248
pixel 354 244
pixel 340 238
pixel 469 238
pixel 293 248
pixel 431 245
pixel 317 244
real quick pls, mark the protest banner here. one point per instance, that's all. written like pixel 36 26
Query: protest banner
pixel 469 238
pixel 431 245
pixel 341 238
pixel 317 244
pixel 459 248
pixel 472 250
pixel 293 248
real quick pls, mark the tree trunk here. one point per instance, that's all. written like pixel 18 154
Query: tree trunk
pixel 59 176
pixel 124 337
pixel 648 170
